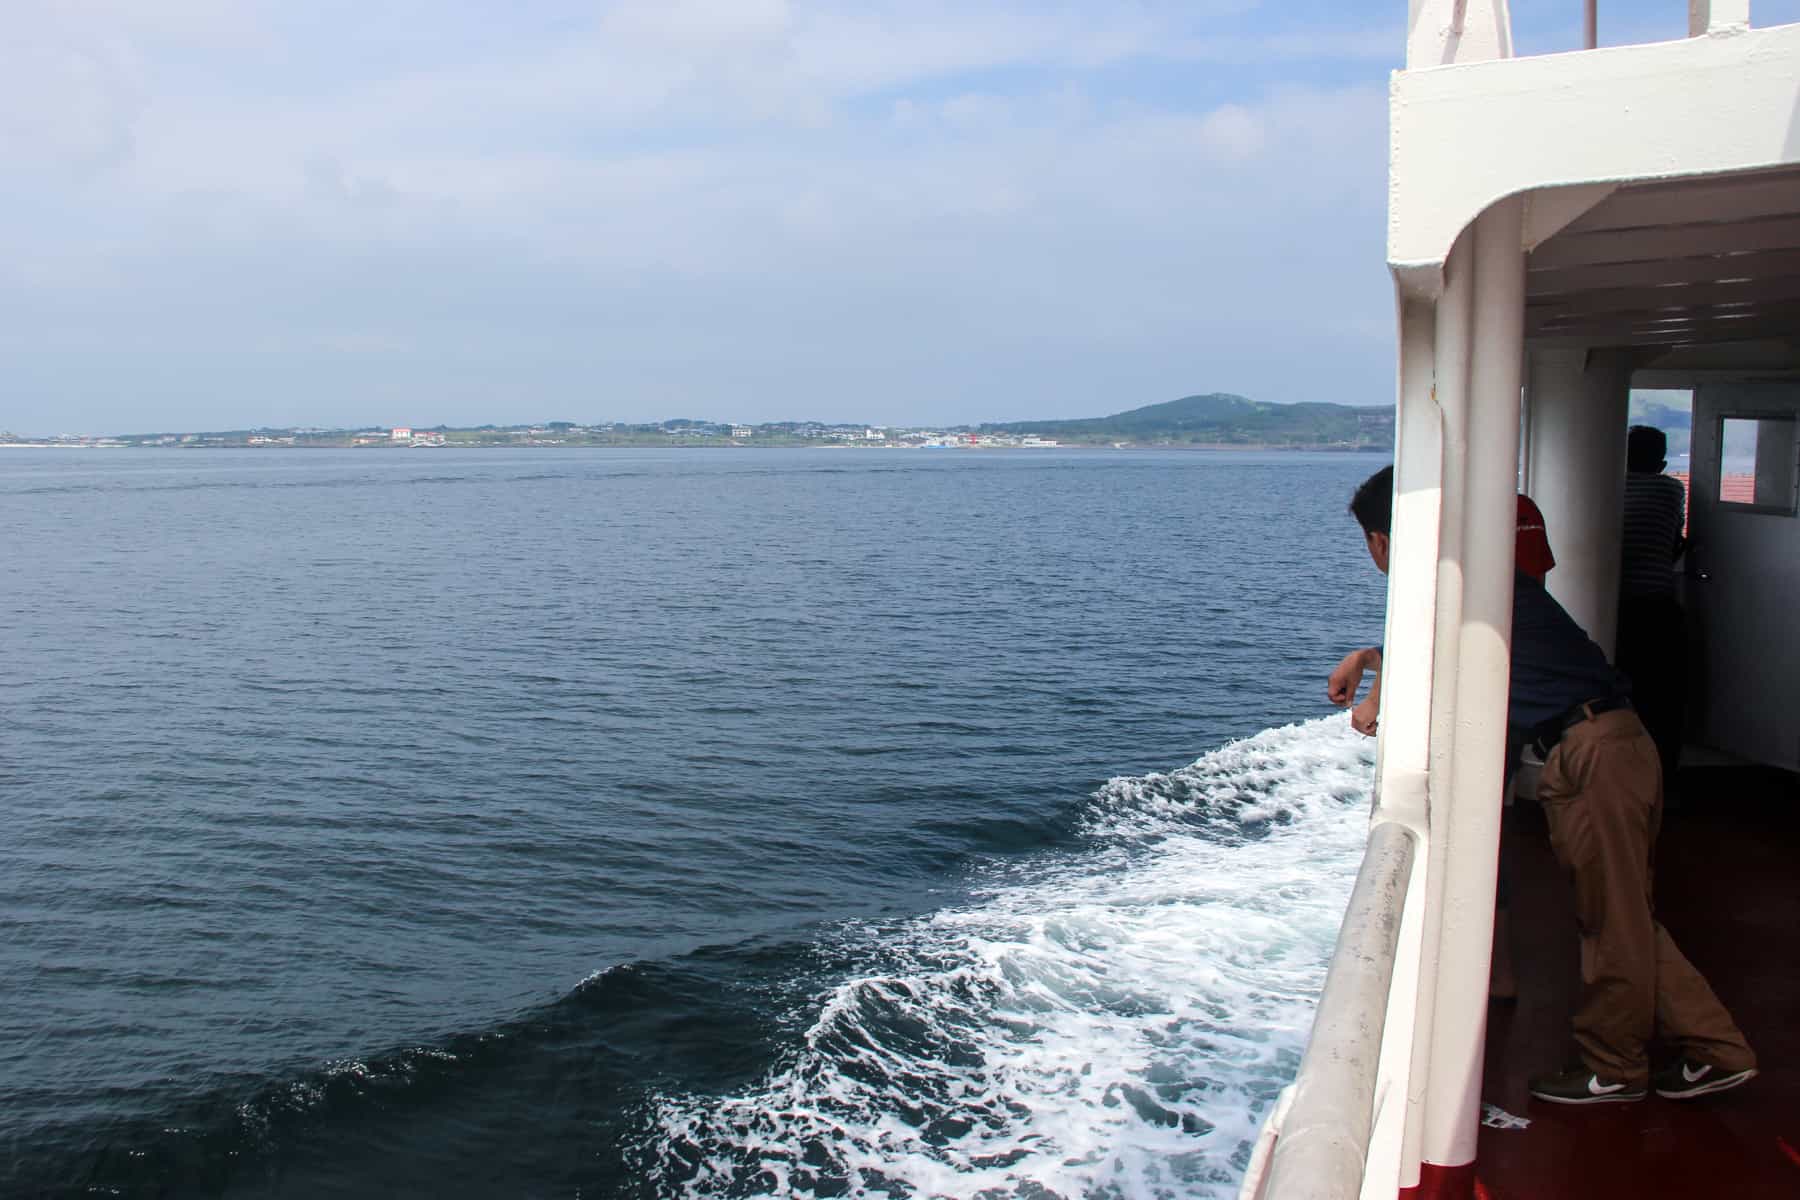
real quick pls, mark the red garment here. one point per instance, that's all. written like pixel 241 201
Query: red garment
pixel 1531 545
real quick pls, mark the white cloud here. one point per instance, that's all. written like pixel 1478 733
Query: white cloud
pixel 1233 131
pixel 944 209
pixel 65 109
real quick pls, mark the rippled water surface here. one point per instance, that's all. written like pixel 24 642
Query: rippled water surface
pixel 642 823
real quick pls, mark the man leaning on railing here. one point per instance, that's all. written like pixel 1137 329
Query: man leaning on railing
pixel 1602 792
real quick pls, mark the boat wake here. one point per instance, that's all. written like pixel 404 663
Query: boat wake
pixel 1107 1022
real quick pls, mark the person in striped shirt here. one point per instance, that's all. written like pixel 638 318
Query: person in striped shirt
pixel 1652 639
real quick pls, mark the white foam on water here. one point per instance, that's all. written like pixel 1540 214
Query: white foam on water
pixel 1111 1022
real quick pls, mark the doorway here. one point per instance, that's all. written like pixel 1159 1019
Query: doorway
pixel 1743 570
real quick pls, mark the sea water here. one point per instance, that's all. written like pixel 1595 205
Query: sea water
pixel 656 823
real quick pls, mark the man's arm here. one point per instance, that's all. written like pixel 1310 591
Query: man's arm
pixel 1346 677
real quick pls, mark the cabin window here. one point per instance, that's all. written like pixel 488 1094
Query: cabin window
pixel 1759 463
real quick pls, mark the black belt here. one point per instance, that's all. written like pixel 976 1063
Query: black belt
pixel 1546 734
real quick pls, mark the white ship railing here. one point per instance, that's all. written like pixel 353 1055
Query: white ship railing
pixel 1316 1143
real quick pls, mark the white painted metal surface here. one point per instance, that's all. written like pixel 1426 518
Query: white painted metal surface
pixel 1471 711
pixel 1463 136
pixel 1656 193
pixel 1744 577
pixel 1670 264
pixel 1452 31
pixel 1381 1175
pixel 1575 471
pixel 1717 16
pixel 1256 1174
pixel 1322 1149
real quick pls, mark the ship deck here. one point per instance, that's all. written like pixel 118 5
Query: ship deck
pixel 1728 890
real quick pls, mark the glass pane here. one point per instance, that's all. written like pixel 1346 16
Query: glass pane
pixel 1757 462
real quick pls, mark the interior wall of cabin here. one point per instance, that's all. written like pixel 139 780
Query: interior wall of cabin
pixel 1575 415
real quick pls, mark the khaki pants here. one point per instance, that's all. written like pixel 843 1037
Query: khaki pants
pixel 1601 789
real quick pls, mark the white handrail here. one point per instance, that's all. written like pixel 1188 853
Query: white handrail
pixel 1322 1144
pixel 1257 1172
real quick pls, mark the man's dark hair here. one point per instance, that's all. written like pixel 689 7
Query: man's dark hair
pixel 1373 504
pixel 1646 449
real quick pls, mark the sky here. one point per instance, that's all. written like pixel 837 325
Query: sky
pixel 239 213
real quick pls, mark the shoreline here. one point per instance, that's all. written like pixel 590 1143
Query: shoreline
pixel 1259 447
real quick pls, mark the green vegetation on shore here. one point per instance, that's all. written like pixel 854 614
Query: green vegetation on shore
pixel 1222 419
pixel 1218 419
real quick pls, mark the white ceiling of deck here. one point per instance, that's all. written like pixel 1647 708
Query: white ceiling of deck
pixel 1668 266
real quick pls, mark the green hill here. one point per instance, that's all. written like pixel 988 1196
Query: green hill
pixel 1224 419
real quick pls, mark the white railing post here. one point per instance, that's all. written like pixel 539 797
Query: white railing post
pixel 1717 16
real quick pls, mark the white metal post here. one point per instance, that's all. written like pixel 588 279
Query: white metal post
pixel 1717 16
pixel 1447 31
pixel 1447 403
pixel 1466 814
pixel 1412 574
pixel 1403 770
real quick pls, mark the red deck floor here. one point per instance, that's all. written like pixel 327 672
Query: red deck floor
pixel 1728 889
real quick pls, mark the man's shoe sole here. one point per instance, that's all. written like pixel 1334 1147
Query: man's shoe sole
pixel 1611 1098
pixel 1706 1087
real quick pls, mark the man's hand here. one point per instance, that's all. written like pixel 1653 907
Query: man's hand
pixel 1346 677
pixel 1363 716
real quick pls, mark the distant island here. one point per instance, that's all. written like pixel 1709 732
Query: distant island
pixel 1215 420
pixel 1222 419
